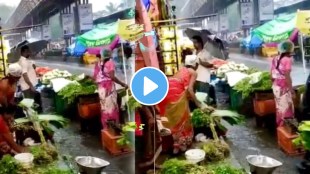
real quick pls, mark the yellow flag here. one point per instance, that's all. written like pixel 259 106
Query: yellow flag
pixel 303 22
pixel 130 31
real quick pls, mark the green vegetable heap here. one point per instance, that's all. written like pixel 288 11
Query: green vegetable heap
pixel 175 166
pixel 245 87
pixel 44 154
pixel 72 91
pixel 9 165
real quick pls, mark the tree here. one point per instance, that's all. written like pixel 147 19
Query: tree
pixel 112 8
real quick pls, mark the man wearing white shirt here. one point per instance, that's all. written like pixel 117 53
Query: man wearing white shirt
pixel 29 80
pixel 204 66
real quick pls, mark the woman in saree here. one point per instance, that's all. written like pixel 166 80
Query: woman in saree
pixel 104 74
pixel 175 107
pixel 282 82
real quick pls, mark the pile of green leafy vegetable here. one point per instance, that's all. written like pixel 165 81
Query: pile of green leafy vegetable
pixel 175 166
pixel 72 91
pixel 200 119
pixel 303 138
pixel 9 165
pixel 222 168
pixel 44 154
pixel 216 151
pixel 245 87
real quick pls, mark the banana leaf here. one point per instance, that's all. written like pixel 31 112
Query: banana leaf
pixel 27 103
pixel 233 118
pixel 57 121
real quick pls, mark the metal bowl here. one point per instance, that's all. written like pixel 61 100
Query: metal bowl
pixel 260 164
pixel 91 165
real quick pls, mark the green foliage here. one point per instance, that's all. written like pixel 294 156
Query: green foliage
pixel 304 136
pixel 133 104
pixel 251 71
pixel 72 91
pixel 225 169
pixel 216 151
pixel 212 118
pixel 245 87
pixel 44 154
pixel 200 119
pixel 9 165
pixel 125 136
pixel 52 170
pixel 174 166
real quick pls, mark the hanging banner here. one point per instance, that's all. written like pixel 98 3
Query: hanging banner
pixel 303 22
pixel 129 31
pixel 224 24
pixel 85 16
pixel 46 31
pixel 68 24
pixel 266 10
pixel 246 12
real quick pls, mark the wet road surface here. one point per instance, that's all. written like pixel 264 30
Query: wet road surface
pixel 242 139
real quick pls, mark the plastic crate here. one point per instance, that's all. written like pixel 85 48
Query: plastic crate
pixel 236 100
pixel 90 110
pixel 109 142
pixel 285 142
pixel 264 107
pixel 60 104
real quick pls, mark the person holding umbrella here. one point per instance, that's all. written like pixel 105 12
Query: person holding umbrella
pixel 29 80
pixel 204 65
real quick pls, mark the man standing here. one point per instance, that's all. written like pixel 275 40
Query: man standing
pixel 29 79
pixel 203 71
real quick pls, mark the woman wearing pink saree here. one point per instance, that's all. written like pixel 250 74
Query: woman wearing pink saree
pixel 282 82
pixel 104 74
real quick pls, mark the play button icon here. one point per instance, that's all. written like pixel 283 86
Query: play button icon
pixel 149 86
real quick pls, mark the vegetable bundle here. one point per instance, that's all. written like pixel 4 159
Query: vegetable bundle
pixel 251 84
pixel 73 90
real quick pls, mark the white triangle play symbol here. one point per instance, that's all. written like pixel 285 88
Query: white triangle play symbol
pixel 148 86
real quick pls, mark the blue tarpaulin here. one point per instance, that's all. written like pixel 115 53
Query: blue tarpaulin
pixel 76 49
pixel 252 41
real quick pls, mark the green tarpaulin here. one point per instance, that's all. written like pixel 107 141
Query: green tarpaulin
pixel 103 34
pixel 276 30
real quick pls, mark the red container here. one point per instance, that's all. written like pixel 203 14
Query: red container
pixel 285 142
pixel 88 111
pixel 264 107
pixel 109 142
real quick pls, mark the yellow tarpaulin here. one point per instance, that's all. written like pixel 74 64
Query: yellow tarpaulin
pixel 303 22
pixel 130 31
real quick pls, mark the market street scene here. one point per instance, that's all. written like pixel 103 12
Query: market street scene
pixel 155 87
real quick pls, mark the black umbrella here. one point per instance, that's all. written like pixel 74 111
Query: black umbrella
pixel 35 47
pixel 204 34
pixel 211 43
